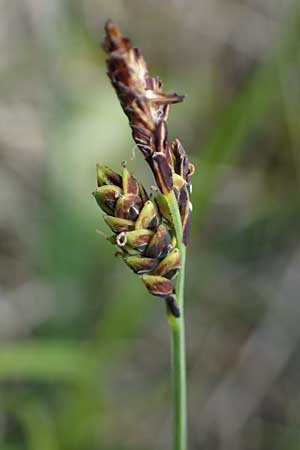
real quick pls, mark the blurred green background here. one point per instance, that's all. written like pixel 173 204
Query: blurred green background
pixel 84 350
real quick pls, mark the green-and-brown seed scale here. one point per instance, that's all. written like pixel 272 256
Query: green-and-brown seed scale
pixel 143 229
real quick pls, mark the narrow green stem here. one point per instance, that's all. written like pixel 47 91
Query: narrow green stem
pixel 179 370
pixel 178 338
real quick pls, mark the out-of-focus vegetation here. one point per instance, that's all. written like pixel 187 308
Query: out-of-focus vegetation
pixel 84 352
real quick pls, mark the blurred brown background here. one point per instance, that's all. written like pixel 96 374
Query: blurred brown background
pixel 84 351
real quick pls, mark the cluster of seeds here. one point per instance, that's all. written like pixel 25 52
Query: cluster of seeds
pixel 143 236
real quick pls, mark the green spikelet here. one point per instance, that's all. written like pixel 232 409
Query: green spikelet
pixel 142 233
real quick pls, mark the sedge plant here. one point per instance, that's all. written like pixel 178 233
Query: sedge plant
pixel 150 232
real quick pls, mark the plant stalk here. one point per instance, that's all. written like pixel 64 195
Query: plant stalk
pixel 178 339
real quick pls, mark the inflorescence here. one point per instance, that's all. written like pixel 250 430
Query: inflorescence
pixel 142 226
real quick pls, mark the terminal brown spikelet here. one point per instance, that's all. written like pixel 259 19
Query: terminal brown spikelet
pixel 147 108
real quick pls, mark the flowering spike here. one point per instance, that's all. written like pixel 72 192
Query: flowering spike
pixel 143 101
pixel 144 229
